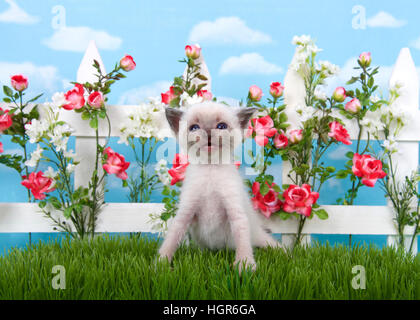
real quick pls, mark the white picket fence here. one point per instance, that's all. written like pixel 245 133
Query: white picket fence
pixel 129 217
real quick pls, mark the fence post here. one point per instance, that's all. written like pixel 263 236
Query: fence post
pixel 86 145
pixel 405 73
pixel 294 96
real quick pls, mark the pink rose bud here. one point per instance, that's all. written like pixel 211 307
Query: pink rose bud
pixel 280 141
pixel 193 51
pixel 116 164
pixel 75 98
pixel 353 105
pixel 38 184
pixel 6 120
pixel 1 147
pixel 206 95
pixel 19 82
pixel 295 135
pixel 96 100
pixel 168 96
pixel 276 89
pixel 255 93
pixel 365 59
pixel 127 63
pixel 339 94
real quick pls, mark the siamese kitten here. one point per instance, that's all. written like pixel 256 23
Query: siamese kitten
pixel 214 205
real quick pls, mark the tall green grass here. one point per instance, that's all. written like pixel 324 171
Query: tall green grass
pixel 126 268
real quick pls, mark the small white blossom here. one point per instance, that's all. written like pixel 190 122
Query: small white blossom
pixel 70 168
pixel 161 170
pixel 50 173
pixel 187 101
pixel 320 94
pixel 390 145
pixel 58 99
pixel 35 157
pixel 36 130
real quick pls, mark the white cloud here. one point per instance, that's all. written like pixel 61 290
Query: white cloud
pixel 41 78
pixel 249 63
pixel 227 30
pixel 14 14
pixel 76 39
pixel 385 20
pixel 140 94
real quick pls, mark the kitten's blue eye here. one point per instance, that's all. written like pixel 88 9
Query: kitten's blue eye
pixel 221 126
pixel 194 127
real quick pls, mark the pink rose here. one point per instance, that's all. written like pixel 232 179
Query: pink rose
pixel 179 166
pixel 353 106
pixel 339 94
pixel 115 164
pixel 339 133
pixel 193 51
pixel 168 96
pixel 280 141
pixel 206 95
pixel 19 82
pixel 96 100
pixel 267 204
pixel 276 89
pixel 255 93
pixel 295 135
pixel 75 98
pixel 38 184
pixel 127 63
pixel 1 147
pixel 299 199
pixel 365 59
pixel 237 164
pixel 5 120
pixel 264 129
pixel 367 168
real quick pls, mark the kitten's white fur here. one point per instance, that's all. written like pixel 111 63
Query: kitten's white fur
pixel 214 204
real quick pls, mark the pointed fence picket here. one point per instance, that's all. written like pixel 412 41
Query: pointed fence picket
pixel 134 217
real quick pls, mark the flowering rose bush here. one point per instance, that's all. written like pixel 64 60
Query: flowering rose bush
pixel 54 186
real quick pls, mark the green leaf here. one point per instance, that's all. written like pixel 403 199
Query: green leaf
pixel 7 91
pixel 124 183
pixel 264 189
pixel 94 123
pixel 85 115
pixel 352 80
pixel 321 213
pixel 284 215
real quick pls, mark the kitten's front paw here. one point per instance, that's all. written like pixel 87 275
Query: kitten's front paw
pixel 245 263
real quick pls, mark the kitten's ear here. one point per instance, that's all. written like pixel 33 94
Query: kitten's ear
pixel 244 114
pixel 173 116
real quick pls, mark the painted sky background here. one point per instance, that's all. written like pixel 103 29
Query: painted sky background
pixel 244 42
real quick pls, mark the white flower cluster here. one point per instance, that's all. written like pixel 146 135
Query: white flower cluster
pixel 327 68
pixel 146 121
pixel 161 170
pixel 187 101
pixel 305 48
pixel 51 129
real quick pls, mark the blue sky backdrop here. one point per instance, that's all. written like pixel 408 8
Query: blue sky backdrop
pixel 244 43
